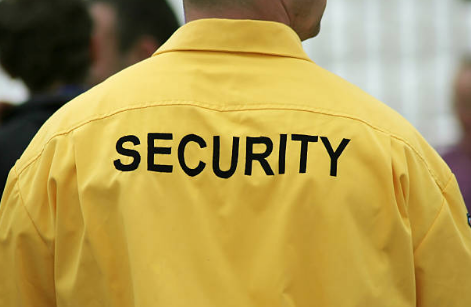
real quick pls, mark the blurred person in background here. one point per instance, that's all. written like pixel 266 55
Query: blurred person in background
pixel 127 32
pixel 231 170
pixel 46 43
pixel 459 157
pixel 5 108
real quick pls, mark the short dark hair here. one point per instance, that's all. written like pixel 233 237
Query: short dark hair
pixel 45 41
pixel 137 18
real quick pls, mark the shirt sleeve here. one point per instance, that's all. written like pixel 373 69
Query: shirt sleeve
pixel 26 261
pixel 443 257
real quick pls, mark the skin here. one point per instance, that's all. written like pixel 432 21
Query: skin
pixel 462 92
pixel 303 16
pixel 108 59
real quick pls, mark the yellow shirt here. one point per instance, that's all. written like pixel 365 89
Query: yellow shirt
pixel 230 170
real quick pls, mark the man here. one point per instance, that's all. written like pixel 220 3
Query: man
pixel 459 157
pixel 51 59
pixel 127 32
pixel 230 170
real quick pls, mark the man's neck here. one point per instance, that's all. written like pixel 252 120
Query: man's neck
pixel 274 12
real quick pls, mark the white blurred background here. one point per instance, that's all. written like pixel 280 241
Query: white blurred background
pixel 404 52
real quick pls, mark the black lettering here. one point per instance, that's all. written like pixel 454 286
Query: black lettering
pixel 217 156
pixel 152 151
pixel 334 155
pixel 192 172
pixel 282 156
pixel 304 139
pixel 260 157
pixel 128 153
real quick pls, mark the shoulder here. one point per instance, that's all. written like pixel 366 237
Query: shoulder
pixel 113 96
pixel 351 103
pixel 302 86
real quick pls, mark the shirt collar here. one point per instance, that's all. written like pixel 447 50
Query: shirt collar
pixel 239 36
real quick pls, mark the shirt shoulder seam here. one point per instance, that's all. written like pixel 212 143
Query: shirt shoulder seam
pixel 234 108
pixel 437 215
pixel 26 209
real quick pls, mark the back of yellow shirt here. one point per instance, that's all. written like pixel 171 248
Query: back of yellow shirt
pixel 230 170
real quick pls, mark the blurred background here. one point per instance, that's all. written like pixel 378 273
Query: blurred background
pixel 403 52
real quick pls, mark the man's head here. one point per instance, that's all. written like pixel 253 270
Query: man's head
pixel 462 92
pixel 303 16
pixel 46 43
pixel 126 32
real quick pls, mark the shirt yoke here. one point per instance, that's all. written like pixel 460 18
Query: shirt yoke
pixel 117 95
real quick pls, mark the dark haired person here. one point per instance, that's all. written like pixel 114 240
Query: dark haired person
pixel 231 170
pixel 5 108
pixel 459 157
pixel 127 32
pixel 46 43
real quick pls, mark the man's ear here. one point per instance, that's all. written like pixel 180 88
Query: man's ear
pixel 144 47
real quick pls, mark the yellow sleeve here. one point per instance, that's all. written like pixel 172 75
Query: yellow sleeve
pixel 443 257
pixel 26 261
